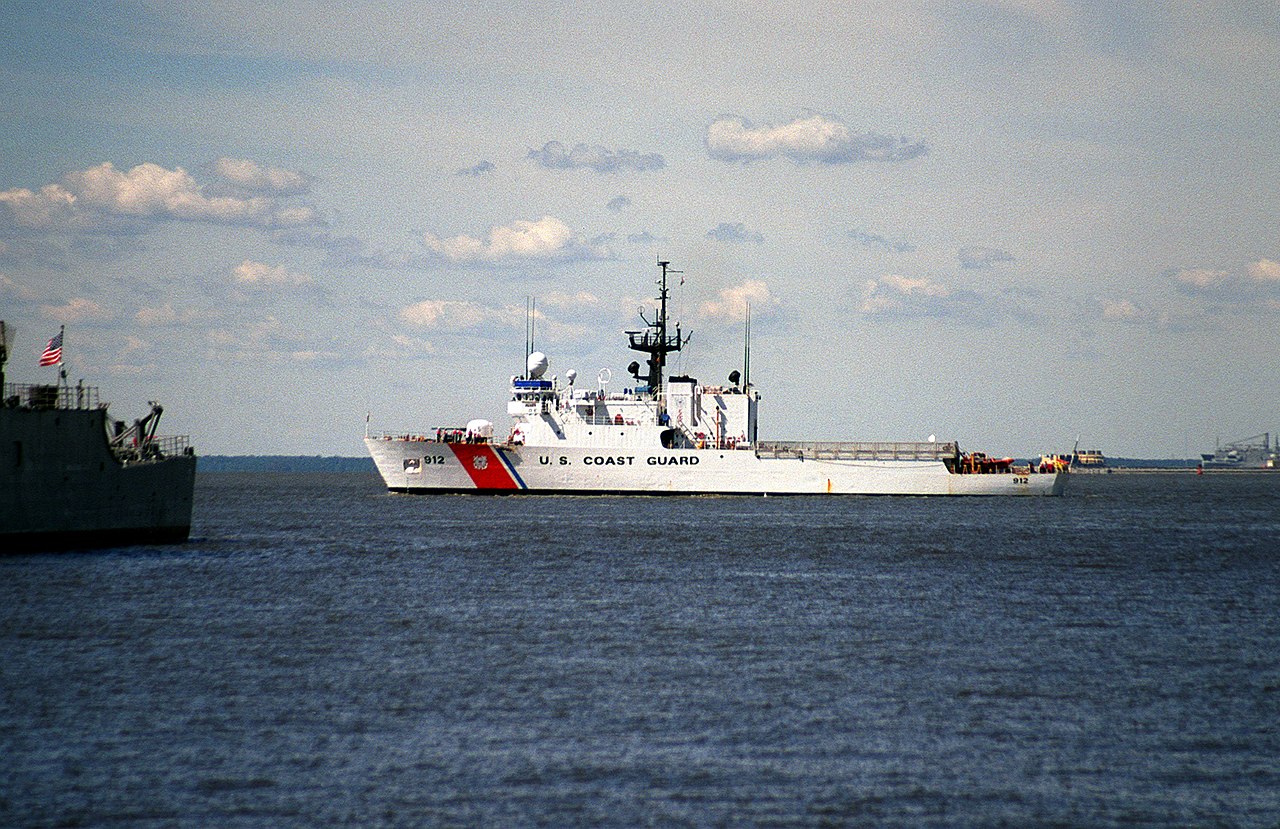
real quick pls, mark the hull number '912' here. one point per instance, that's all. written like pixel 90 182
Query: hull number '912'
pixel 1021 480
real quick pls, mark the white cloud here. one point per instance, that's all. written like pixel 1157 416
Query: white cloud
pixel 1122 310
pixel 554 156
pixel 252 177
pixel 816 138
pixel 921 286
pixel 912 297
pixel 547 239
pixel 1257 281
pixel 77 309
pixel 94 198
pixel 315 356
pixel 449 314
pixel 1201 278
pixel 133 344
pixel 581 299
pixel 406 346
pixel 251 274
pixel 1264 271
pixel 52 204
pixel 731 304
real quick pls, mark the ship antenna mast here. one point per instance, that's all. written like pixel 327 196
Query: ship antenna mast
pixel 530 320
pixel 655 341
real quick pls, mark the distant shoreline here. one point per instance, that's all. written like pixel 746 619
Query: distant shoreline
pixel 284 463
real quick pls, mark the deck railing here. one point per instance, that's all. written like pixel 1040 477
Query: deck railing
pixel 849 451
pixel 37 396
pixel 48 396
pixel 155 449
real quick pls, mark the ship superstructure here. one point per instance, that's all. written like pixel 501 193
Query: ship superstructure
pixel 672 435
pixel 1088 460
pixel 1253 453
pixel 70 477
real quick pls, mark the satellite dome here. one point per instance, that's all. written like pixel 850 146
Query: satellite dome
pixel 537 365
pixel 571 374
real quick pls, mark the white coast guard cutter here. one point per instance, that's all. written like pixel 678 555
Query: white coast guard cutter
pixel 672 435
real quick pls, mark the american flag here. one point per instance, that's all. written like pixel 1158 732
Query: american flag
pixel 52 355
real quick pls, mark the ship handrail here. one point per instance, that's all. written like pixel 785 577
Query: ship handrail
pixel 692 438
pixel 50 396
pixel 152 449
pixel 648 406
pixel 855 450
pixel 444 434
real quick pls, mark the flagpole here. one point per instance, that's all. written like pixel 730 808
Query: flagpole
pixel 4 357
pixel 62 366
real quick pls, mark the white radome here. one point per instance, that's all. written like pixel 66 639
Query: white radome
pixel 480 428
pixel 537 365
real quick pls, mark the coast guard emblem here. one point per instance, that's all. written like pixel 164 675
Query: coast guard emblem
pixel 480 462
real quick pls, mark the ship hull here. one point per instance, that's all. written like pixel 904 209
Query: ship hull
pixel 61 488
pixel 423 467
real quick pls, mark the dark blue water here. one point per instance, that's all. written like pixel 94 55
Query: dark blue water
pixel 323 653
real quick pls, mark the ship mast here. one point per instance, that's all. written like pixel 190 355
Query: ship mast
pixel 654 340
pixel 4 356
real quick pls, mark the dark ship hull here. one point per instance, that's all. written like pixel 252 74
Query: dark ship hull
pixel 65 483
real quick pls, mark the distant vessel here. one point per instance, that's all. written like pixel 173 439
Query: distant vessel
pixel 672 435
pixel 1257 452
pixel 71 478
pixel 1088 459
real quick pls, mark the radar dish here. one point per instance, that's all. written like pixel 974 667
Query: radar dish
pixel 537 365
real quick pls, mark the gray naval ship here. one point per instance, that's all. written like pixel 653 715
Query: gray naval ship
pixel 72 478
pixel 1257 453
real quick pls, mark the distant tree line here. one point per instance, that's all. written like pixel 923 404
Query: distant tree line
pixel 284 463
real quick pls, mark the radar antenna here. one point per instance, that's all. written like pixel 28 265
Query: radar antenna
pixel 654 340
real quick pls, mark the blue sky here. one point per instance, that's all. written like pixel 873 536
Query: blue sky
pixel 1008 223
